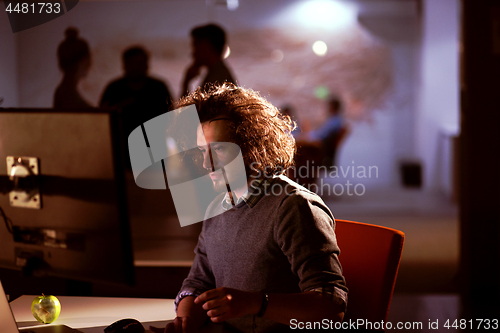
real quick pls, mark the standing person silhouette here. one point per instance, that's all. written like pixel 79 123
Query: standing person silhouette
pixel 139 96
pixel 73 55
pixel 208 43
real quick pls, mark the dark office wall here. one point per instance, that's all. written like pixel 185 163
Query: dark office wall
pixel 480 158
pixel 8 65
pixel 151 282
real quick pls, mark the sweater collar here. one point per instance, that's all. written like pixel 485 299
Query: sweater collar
pixel 252 195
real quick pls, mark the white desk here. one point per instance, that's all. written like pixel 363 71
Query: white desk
pixel 93 314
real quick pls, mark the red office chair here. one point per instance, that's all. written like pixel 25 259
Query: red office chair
pixel 370 257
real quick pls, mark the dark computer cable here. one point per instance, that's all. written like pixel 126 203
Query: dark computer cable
pixel 8 221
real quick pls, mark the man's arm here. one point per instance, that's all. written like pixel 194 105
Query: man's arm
pixel 191 72
pixel 305 306
pixel 222 304
pixel 188 308
pixel 190 317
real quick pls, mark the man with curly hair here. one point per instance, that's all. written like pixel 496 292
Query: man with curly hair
pixel 268 254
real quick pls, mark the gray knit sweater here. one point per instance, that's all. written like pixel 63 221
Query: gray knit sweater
pixel 281 240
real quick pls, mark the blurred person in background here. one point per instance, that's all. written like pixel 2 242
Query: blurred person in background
pixel 139 96
pixel 73 55
pixel 208 46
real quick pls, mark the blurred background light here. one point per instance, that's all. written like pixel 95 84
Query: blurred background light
pixel 324 14
pixel 321 92
pixel 229 4
pixel 319 48
pixel 277 55
pixel 232 4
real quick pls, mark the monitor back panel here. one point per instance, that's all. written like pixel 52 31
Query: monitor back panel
pixel 83 199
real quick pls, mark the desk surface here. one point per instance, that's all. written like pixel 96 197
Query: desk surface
pixel 93 314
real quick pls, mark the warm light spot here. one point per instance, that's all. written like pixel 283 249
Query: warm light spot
pixel 277 55
pixel 319 48
pixel 228 52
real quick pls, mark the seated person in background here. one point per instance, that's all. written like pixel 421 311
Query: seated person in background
pixel 139 96
pixel 208 44
pixel 328 134
pixel 73 56
pixel 269 253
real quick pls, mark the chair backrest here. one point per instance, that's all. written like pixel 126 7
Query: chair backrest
pixel 370 257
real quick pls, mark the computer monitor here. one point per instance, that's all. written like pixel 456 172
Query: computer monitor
pixel 62 193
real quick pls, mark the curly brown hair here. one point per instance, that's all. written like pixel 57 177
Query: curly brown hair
pixel 261 131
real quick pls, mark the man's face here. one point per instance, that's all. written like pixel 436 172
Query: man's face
pixel 219 150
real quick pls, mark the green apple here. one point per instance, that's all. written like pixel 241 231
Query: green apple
pixel 46 309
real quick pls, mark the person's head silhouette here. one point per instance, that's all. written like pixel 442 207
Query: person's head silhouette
pixel 208 43
pixel 334 106
pixel 135 62
pixel 73 54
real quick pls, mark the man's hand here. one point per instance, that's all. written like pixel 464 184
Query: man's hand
pixel 192 71
pixel 179 325
pixel 190 317
pixel 222 304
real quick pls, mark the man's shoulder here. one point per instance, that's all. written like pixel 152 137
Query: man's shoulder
pixel 295 206
pixel 220 73
pixel 285 192
pixel 293 188
pixel 155 82
pixel 117 83
pixel 270 194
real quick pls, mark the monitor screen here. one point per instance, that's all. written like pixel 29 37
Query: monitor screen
pixel 62 196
